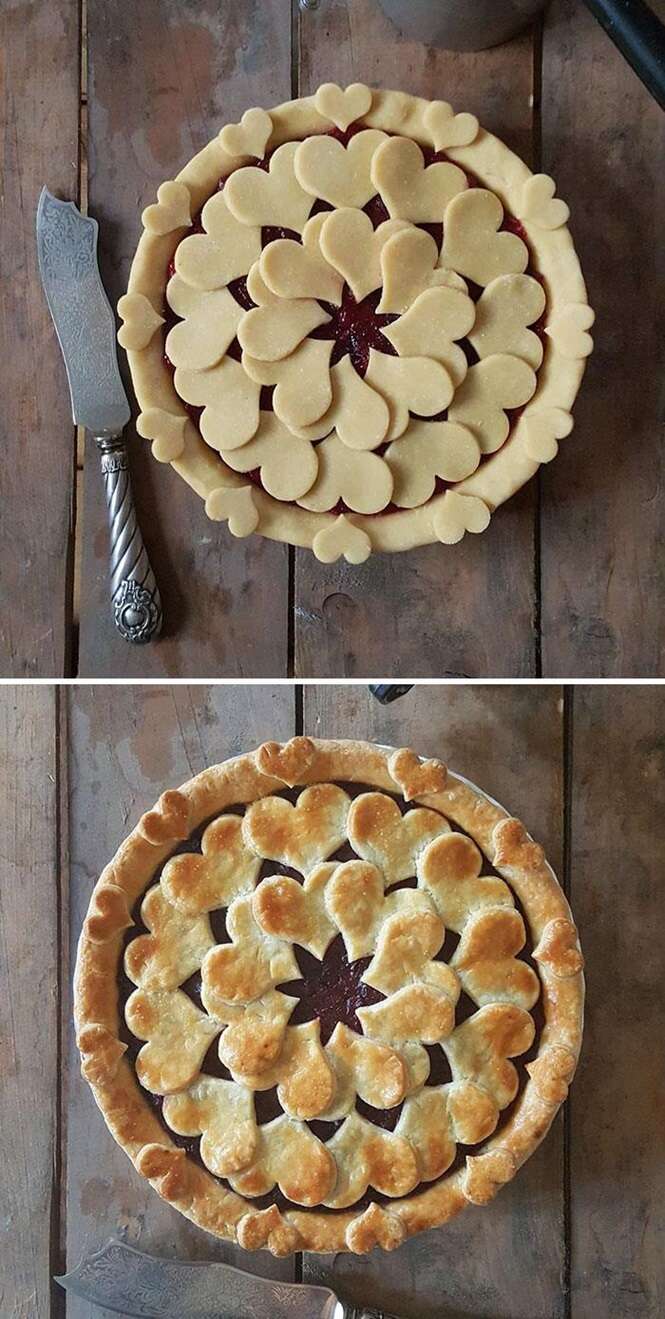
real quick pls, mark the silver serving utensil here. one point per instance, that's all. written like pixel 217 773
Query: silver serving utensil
pixel 123 1279
pixel 85 326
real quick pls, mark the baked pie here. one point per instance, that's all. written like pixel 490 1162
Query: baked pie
pixel 356 321
pixel 326 995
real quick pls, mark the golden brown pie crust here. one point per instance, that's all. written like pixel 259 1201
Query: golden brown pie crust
pixel 402 931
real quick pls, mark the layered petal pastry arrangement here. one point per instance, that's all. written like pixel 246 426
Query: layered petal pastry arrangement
pixel 356 322
pixel 326 995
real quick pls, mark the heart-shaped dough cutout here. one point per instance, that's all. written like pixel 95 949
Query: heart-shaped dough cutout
pixel 288 761
pixel 196 882
pixel 351 244
pixel 380 834
pixel 302 835
pixel 293 911
pixel 291 1157
pixel 472 244
pixel 343 106
pixel 252 963
pixel 447 129
pixel 337 173
pixel 375 1227
pixel 224 252
pixel 268 1228
pixel 168 821
pixel 361 479
pixel 449 871
pixel 481 1047
pixel 429 327
pixel 407 943
pixel 303 389
pixel 359 415
pixel 272 332
pixel 166 431
pixel 202 339
pixel 493 384
pixel 486 960
pixel 456 514
pixel 258 289
pixel 342 538
pixel 235 506
pixel 558 949
pixel 567 330
pixel 414 776
pixel 275 197
pixel 538 205
pixel 542 428
pixel 503 311
pixel 140 321
pixel 429 449
pixel 288 465
pixel 551 1073
pixel 297 270
pixel 173 949
pixel 230 402
pixel 415 384
pixel 408 268
pixel 178 1037
pixel 410 189
pixel 172 210
pixel 248 138
pixel 486 1174
pixel 367 1156
pixel 223 1115
pixel 108 914
pixel 254 1039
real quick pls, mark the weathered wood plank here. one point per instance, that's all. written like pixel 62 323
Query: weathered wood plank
pixel 606 487
pixel 29 1000
pixel 126 745
pixel 483 1263
pixel 164 76
pixel 39 113
pixel 616 1111
pixel 439 610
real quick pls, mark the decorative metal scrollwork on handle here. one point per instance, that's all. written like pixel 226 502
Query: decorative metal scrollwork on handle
pixel 135 598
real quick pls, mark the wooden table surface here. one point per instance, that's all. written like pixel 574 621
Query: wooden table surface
pixel 580 1233
pixel 570 578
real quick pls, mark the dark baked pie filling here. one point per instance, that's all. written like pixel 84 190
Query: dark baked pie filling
pixel 330 990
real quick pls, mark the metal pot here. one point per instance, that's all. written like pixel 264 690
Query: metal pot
pixel 461 24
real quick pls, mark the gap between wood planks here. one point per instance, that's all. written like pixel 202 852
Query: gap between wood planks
pixel 77 497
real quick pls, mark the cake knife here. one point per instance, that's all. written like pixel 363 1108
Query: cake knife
pixel 85 326
pixel 123 1279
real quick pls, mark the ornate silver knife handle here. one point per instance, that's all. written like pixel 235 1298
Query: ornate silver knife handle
pixel 135 598
pixel 85 326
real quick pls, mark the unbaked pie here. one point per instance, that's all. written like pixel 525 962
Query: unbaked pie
pixel 326 995
pixel 356 322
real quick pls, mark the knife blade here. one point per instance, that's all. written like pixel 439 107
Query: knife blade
pixel 120 1278
pixel 85 326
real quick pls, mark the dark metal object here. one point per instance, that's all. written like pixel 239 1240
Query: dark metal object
pixel 85 326
pixel 639 35
pixel 461 24
pixel 124 1280
pixel 476 24
pixel 387 692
